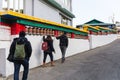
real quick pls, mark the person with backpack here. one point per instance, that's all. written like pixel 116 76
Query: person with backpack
pixel 63 45
pixel 48 48
pixel 20 53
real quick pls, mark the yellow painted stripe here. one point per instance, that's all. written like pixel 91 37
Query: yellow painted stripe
pixel 94 27
pixel 105 28
pixel 88 26
pixel 24 16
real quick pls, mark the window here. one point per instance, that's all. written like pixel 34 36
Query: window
pixel 14 5
pixel 66 2
pixel 64 20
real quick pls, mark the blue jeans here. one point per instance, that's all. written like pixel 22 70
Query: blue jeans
pixel 63 50
pixel 17 65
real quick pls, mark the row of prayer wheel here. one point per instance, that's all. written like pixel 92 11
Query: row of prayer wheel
pixel 78 36
pixel 39 31
pixel 44 31
pixel 99 33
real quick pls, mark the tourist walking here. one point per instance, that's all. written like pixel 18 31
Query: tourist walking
pixel 63 45
pixel 49 49
pixel 20 53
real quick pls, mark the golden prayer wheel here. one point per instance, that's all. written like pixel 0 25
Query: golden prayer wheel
pixel 26 30
pixel 37 31
pixel 41 31
pixel 47 32
pixel 30 30
pixel 34 31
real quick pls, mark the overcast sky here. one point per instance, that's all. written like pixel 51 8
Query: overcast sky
pixel 103 10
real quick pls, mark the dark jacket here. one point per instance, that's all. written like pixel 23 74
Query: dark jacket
pixel 28 49
pixel 50 44
pixel 63 40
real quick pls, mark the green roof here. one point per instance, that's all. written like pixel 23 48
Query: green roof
pixel 96 22
pixel 59 7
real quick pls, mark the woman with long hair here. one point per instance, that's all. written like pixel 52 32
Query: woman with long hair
pixel 49 50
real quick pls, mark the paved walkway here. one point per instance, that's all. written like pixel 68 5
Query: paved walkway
pixel 102 63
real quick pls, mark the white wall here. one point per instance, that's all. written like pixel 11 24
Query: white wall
pixel 28 7
pixel 45 11
pixel 42 10
pixel 4 51
pixel 75 46
pixel 1 4
pixel 100 40
pixel 2 61
pixel 5 39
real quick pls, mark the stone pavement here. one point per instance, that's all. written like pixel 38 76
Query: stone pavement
pixel 102 63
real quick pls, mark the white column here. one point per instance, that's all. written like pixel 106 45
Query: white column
pixel 90 41
pixel 18 5
pixel 13 5
pixel 8 4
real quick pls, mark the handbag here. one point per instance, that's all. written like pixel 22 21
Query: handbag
pixel 10 58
